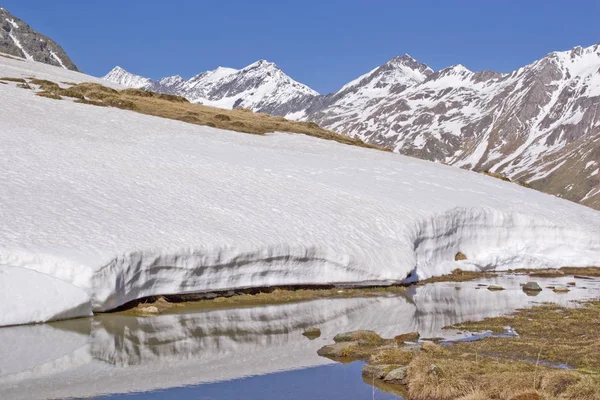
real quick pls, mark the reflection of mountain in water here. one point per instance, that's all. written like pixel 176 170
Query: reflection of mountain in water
pixel 115 353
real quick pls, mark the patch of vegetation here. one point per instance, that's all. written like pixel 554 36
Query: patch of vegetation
pixel 18 80
pixel 179 108
pixel 565 271
pixel 264 296
pixel 91 102
pixel 45 85
pixel 49 95
pixel 458 275
pixel 520 368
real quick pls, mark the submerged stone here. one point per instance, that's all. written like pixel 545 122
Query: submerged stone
pixel 312 333
pixel 532 287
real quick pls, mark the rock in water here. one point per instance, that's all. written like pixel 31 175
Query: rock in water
pixel 532 287
pixel 377 371
pixel 495 287
pixel 312 333
pixel 358 336
pixel 396 376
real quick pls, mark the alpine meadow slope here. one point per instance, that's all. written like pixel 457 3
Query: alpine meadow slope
pixel 539 124
pixel 122 205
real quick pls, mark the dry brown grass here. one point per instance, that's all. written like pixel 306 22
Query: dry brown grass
pixel 160 305
pixel 557 335
pixel 565 271
pixel 458 275
pixel 46 85
pixel 519 368
pixel 394 355
pixel 451 375
pixel 266 296
pixel 18 80
pixel 178 108
pixel 49 95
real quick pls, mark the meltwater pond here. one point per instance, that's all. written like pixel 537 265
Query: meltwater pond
pixel 248 352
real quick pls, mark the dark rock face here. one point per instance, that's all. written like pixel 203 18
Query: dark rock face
pixel 19 40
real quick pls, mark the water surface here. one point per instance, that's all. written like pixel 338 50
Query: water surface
pixel 249 352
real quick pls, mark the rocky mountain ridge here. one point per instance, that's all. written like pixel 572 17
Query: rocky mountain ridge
pixel 20 40
pixel 539 124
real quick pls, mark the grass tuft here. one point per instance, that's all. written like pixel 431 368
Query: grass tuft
pixel 18 80
pixel 49 95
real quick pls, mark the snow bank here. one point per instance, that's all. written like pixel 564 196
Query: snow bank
pixel 27 296
pixel 124 205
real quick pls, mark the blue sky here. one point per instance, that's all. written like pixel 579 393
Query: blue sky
pixel 323 44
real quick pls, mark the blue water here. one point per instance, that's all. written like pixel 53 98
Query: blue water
pixel 328 382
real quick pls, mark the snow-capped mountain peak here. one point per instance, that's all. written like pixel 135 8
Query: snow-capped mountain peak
pixel 261 86
pixel 400 70
pixel 125 78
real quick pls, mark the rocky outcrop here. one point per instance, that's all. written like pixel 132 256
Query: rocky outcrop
pixel 20 40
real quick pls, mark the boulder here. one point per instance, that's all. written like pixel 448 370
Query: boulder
pixel 396 376
pixel 364 337
pixel 532 287
pixel 338 350
pixel 408 337
pixel 147 311
pixel 312 333
pixel 377 371
pixel 561 289
pixel 495 287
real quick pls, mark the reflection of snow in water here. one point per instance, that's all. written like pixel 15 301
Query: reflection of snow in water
pixel 113 353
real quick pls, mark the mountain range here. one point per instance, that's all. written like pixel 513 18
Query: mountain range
pixel 20 40
pixel 539 125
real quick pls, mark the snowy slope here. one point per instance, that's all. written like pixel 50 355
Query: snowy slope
pixel 539 124
pixel 125 205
